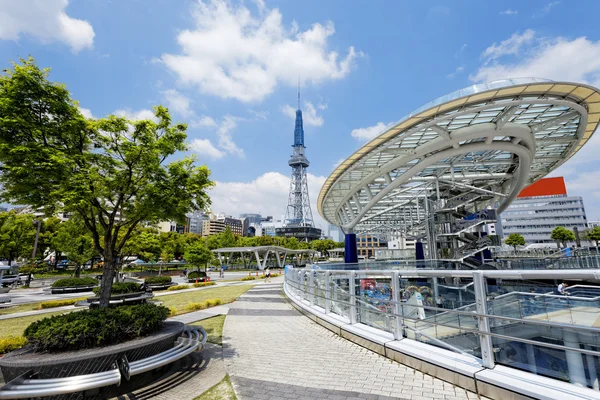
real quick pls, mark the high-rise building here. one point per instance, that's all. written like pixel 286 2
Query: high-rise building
pixel 298 217
pixel 368 244
pixel 540 208
pixel 252 218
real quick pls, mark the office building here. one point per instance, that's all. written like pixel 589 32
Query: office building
pixel 252 218
pixel 212 227
pixel 368 244
pixel 540 208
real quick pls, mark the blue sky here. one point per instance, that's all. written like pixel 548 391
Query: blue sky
pixel 230 70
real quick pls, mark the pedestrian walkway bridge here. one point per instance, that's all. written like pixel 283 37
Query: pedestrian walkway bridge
pixel 497 331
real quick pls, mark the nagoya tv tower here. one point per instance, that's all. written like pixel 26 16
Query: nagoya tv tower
pixel 298 216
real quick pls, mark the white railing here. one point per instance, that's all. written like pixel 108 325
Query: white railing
pixel 531 333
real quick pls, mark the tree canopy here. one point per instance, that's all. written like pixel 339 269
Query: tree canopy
pixel 594 234
pixel 562 235
pixel 112 171
pixel 514 239
pixel 17 234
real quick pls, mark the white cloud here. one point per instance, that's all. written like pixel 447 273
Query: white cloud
pixel 47 21
pixel 369 132
pixel 338 163
pixel 136 115
pixel 546 10
pixel 460 51
pixel 457 71
pixel 512 45
pixel 260 52
pixel 226 142
pixel 509 12
pixel 86 112
pixel 309 114
pixel 203 122
pixel 177 102
pixel 576 60
pixel 267 194
pixel 206 148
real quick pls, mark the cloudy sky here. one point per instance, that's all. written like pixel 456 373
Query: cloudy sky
pixel 230 70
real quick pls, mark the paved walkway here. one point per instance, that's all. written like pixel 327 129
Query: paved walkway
pixel 272 351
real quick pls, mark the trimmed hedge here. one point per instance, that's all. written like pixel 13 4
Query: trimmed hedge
pixel 72 282
pixel 157 280
pixel 96 327
pixel 59 303
pixel 178 287
pixel 11 343
pixel 265 276
pixel 196 274
pixel 202 284
pixel 121 288
pixel 248 278
pixel 202 305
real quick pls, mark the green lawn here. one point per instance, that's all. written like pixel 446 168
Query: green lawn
pixel 226 294
pixel 29 307
pixel 221 391
pixel 214 328
pixel 16 326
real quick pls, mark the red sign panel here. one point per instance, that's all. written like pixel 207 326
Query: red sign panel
pixel 545 187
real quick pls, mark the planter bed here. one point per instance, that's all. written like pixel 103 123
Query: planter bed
pixel 120 299
pixel 72 289
pixel 89 361
pixel 160 286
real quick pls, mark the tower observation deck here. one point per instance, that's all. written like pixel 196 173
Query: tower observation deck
pixel 298 217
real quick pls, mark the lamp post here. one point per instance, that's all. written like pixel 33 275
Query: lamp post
pixel 35 245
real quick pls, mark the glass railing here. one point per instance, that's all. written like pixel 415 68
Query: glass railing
pixel 540 332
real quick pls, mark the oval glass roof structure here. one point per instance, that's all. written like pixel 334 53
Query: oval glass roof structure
pixel 477 146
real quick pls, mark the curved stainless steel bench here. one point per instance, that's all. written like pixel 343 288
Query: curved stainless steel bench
pixel 27 386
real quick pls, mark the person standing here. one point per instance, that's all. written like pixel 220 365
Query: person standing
pixel 561 289
pixel 439 302
pixel 222 272
pixel 268 275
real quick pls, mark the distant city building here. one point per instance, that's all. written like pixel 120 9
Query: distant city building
pixel 220 223
pixel 194 222
pixel 593 224
pixel 540 208
pixel 212 227
pixel 252 218
pixel 336 233
pixel 401 243
pixel 368 244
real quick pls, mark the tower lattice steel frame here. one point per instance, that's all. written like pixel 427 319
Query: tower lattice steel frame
pixel 298 212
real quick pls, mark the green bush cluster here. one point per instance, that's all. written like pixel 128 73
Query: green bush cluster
pixel 11 343
pixel 72 282
pixel 178 287
pixel 202 305
pixel 96 327
pixel 248 278
pixel 196 274
pixel 121 288
pixel 157 280
pixel 202 284
pixel 272 276
pixel 59 303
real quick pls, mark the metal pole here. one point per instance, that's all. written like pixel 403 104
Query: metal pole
pixel 352 290
pixel 396 298
pixel 487 353
pixel 327 292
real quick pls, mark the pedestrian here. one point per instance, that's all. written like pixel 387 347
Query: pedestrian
pixel 561 289
pixel 439 302
pixel 184 272
pixel 268 275
pixel 222 272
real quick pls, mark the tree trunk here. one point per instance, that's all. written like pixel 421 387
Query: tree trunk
pixel 77 271
pixel 108 274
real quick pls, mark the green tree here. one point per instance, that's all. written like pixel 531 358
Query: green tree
pixel 303 245
pixel 147 246
pixel 111 171
pixel 292 243
pixel 75 240
pixel 562 235
pixel 17 234
pixel 227 239
pixel 594 234
pixel 514 240
pixel 197 255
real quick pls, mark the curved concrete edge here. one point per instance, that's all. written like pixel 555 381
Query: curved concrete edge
pixel 463 371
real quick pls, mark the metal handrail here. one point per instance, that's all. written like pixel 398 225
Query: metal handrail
pixel 24 387
pixel 484 315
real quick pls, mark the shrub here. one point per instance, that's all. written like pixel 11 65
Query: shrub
pixel 202 284
pixel 59 303
pixel 196 274
pixel 121 288
pixel 202 305
pixel 178 287
pixel 11 343
pixel 248 278
pixel 96 327
pixel 72 282
pixel 157 280
pixel 274 275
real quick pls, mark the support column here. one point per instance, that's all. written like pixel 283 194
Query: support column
pixel 327 292
pixel 278 259
pixel 351 252
pixel 257 259
pixel 487 354
pixel 399 317
pixel 352 290
pixel 574 360
pixel 531 358
pixel 264 264
pixel 591 365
